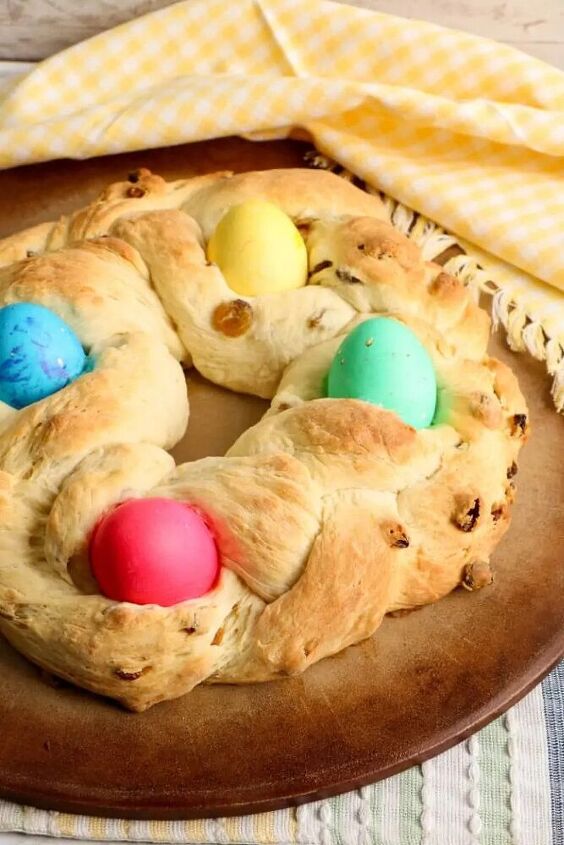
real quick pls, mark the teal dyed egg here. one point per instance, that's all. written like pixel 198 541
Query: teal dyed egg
pixel 383 362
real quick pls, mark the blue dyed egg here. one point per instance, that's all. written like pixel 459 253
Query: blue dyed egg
pixel 383 362
pixel 39 354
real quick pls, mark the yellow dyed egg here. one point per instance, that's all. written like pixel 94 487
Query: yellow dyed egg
pixel 258 249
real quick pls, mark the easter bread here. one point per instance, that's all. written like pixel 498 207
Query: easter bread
pixel 327 514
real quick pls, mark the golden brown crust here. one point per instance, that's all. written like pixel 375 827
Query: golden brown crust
pixel 327 514
pixel 100 287
pixel 326 610
pixel 376 268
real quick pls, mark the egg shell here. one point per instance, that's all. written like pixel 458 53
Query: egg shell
pixel 153 551
pixel 259 249
pixel 383 362
pixel 39 354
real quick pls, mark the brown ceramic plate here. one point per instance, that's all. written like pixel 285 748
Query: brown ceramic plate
pixel 424 682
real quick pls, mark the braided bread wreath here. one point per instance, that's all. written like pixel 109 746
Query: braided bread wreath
pixel 327 514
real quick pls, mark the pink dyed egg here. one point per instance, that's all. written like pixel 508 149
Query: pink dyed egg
pixel 153 551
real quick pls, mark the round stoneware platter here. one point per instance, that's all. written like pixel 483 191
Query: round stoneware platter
pixel 423 683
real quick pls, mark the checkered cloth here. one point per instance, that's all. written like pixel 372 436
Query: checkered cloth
pixel 467 131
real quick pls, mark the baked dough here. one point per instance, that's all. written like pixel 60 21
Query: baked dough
pixel 327 513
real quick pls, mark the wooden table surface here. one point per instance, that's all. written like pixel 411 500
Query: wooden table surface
pixel 33 29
